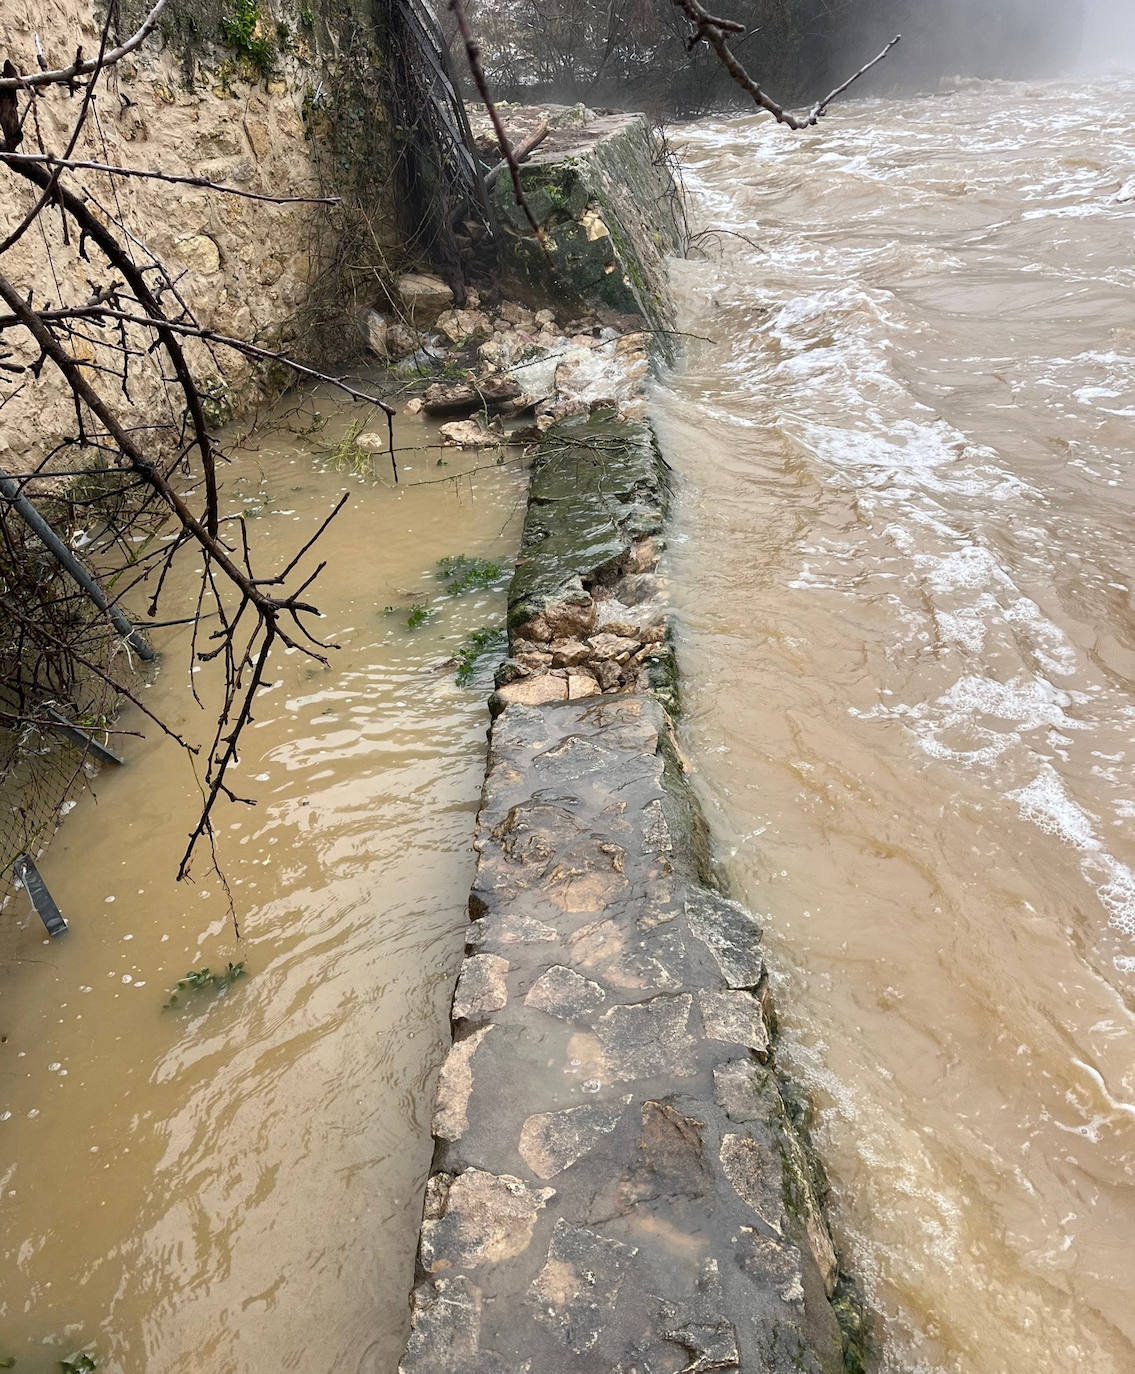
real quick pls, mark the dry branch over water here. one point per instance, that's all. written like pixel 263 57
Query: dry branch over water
pixel 131 319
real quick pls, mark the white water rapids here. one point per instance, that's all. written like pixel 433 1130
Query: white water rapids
pixel 907 439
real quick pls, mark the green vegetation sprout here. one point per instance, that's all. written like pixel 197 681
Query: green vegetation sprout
pixel 348 455
pixel 241 29
pixel 198 978
pixel 463 574
pixel 474 647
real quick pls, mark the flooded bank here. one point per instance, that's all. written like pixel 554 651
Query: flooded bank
pixel 903 572
pixel 234 1183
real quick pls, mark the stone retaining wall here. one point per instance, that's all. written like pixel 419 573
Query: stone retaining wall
pixel 602 191
pixel 618 1182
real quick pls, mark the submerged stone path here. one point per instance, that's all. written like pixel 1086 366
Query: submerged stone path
pixel 618 1183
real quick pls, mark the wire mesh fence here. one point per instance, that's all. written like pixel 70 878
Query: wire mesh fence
pixel 63 660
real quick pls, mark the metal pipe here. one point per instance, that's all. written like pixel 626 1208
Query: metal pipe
pixel 25 871
pixel 66 559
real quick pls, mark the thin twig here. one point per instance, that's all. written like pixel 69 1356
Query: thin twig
pixel 195 331
pixel 74 165
pixel 820 110
pixel 473 56
pixel 712 30
pixel 66 75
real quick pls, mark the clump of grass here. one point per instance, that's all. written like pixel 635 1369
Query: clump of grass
pixel 347 455
pixel 77 1364
pixel 461 573
pixel 418 614
pixel 198 978
pixel 474 647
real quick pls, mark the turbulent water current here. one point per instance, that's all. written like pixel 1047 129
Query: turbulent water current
pixel 907 438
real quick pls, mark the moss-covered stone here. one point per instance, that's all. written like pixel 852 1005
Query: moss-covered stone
pixel 610 216
pixel 598 485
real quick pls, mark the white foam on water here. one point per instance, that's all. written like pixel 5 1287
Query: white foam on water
pixel 1046 804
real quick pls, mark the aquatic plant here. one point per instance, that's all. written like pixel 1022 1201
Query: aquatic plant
pixel 474 647
pixel 198 978
pixel 77 1364
pixel 348 455
pixel 462 573
pixel 418 615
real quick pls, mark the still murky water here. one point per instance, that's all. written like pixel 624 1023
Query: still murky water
pixel 909 637
pixel 235 1184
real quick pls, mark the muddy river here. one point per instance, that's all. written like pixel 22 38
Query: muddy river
pixel 234 1183
pixel 904 570
pixel 903 562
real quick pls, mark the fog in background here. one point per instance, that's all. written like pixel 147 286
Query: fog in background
pixel 634 54
pixel 1109 35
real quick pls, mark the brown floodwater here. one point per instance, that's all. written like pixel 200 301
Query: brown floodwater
pixel 234 1184
pixel 903 565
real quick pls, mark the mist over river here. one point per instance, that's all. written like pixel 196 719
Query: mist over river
pixel 903 562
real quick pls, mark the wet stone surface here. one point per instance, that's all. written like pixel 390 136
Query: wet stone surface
pixel 618 1183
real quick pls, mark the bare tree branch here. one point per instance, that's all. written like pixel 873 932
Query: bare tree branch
pixel 75 165
pixel 64 76
pixel 196 331
pixel 712 30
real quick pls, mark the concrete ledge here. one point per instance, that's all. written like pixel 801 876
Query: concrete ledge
pixel 618 1184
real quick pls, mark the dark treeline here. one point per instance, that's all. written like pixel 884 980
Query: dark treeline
pixel 632 53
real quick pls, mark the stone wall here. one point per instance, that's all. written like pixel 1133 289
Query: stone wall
pixel 274 119
pixel 602 190
pixel 620 1181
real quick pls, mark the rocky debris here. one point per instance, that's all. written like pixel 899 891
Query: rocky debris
pixel 423 297
pixel 370 442
pixel 522 361
pixel 461 326
pixel 460 398
pixel 470 434
pixel 386 338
